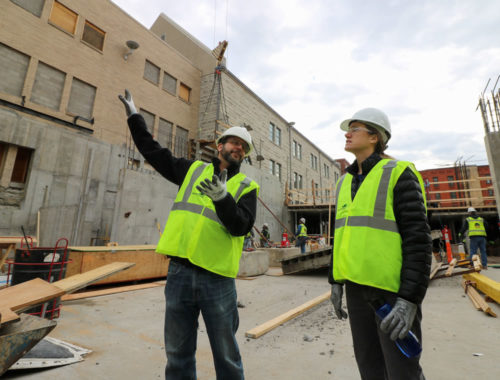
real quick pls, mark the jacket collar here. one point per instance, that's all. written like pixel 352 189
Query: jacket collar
pixel 231 170
pixel 366 165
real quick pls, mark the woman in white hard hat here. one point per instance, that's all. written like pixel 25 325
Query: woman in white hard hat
pixel 382 249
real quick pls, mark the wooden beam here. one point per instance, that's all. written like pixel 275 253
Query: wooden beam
pixel 116 289
pixel 435 270
pixel 466 284
pixel 451 267
pixel 260 330
pixel 472 292
pixel 79 281
pixel 485 284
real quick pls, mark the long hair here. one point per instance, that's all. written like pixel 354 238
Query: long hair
pixel 380 147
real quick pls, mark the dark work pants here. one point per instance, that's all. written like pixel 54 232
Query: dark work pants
pixel 377 355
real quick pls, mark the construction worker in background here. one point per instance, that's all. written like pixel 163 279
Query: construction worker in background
pixel 382 249
pixel 301 235
pixel 248 242
pixel 265 239
pixel 476 226
pixel 214 209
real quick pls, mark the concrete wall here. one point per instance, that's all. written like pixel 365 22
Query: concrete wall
pixel 492 143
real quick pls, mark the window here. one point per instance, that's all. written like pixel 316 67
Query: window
pixel 48 86
pixel 299 151
pixel 181 142
pixel 295 180
pixel 336 177
pixel 314 162
pixel 327 195
pixel 300 181
pixel 152 72
pixel 149 118
pixel 33 6
pixel 93 35
pixel 451 182
pixel 326 170
pixel 488 181
pixel 274 134
pixel 63 17
pixel 277 136
pixel 165 129
pixel 278 171
pixel 438 196
pixel 490 192
pixel 16 171
pixel 169 83
pixel 271 167
pixel 13 69
pixel 81 99
pixel 435 179
pixel 184 92
pixel 453 195
pixel 294 148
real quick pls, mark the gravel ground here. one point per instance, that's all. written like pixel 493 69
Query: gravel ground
pixel 125 333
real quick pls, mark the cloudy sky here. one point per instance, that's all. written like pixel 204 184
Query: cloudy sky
pixel 316 62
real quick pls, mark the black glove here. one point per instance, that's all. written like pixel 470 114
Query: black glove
pixel 398 322
pixel 128 103
pixel 216 188
pixel 336 298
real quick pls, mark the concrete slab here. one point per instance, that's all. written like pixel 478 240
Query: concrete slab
pixel 253 263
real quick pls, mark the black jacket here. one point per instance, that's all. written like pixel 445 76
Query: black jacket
pixel 414 229
pixel 238 218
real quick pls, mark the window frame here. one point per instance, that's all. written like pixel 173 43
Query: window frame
pixel 97 29
pixel 183 86
pixel 63 8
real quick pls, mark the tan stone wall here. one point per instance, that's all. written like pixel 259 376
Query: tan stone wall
pixel 106 70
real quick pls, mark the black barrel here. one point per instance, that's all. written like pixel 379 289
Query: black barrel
pixel 36 263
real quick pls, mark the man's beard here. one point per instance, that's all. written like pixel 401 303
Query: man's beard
pixel 226 154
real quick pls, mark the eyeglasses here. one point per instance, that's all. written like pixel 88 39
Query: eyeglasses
pixel 356 129
pixel 237 142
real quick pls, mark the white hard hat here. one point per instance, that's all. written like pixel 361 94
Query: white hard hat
pixel 373 117
pixel 471 209
pixel 302 220
pixel 240 132
pixel 265 225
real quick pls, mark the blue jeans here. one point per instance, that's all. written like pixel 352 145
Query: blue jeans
pixel 479 242
pixel 189 291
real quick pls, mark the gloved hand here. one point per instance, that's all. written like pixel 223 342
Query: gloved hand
pixel 398 322
pixel 216 188
pixel 128 103
pixel 336 298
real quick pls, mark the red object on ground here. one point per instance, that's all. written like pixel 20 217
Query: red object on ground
pixel 446 236
pixel 284 240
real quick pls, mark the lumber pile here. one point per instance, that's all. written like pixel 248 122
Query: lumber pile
pixel 455 268
pixel 476 299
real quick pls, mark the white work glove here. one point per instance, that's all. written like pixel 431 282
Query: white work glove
pixel 398 322
pixel 336 298
pixel 128 103
pixel 216 188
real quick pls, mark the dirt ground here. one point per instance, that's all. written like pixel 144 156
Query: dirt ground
pixel 125 333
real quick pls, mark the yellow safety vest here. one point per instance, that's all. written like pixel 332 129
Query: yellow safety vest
pixel 193 230
pixel 476 226
pixel 303 230
pixel 367 244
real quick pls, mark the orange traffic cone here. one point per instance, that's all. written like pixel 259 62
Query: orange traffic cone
pixel 446 235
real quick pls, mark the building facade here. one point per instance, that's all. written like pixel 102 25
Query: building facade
pixel 68 167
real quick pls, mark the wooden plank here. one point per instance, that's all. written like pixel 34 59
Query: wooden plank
pixel 20 297
pixel 260 330
pixel 481 302
pixel 79 281
pixel 115 248
pixel 485 284
pixel 4 255
pixel 435 270
pixel 103 292
pixel 466 284
pixel 451 266
pixel 476 262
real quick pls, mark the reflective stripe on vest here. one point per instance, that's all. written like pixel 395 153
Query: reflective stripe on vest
pixel 194 231
pixel 476 226
pixel 367 244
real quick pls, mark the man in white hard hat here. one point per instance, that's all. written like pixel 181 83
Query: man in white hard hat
pixel 265 237
pixel 476 228
pixel 301 234
pixel 382 250
pixel 214 209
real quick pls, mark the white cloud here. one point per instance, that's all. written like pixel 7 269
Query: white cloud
pixel 424 63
